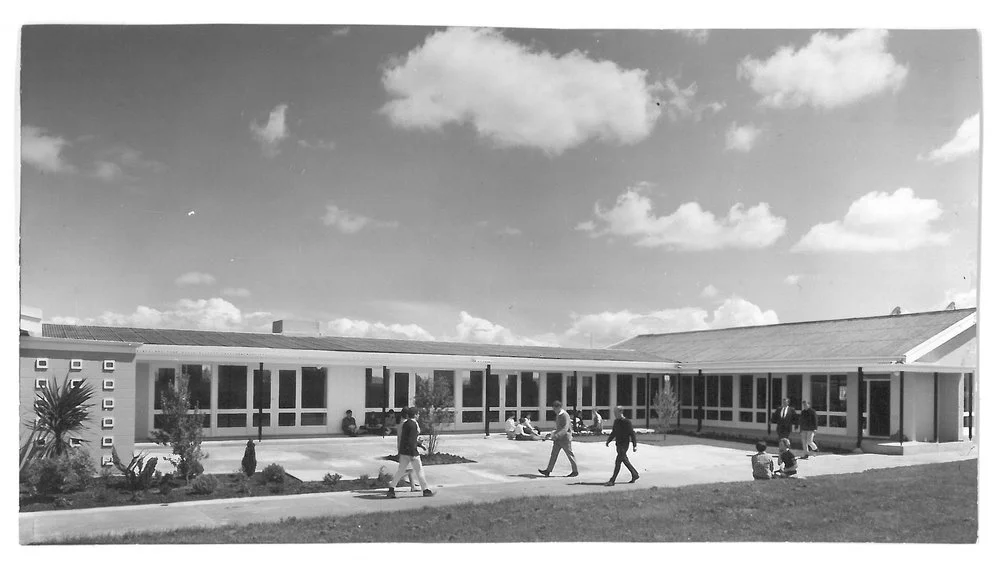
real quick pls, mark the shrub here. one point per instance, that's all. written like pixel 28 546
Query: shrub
pixel 138 472
pixel 182 428
pixel 436 409
pixel 332 479
pixel 272 473
pixel 68 472
pixel 204 484
pixel 667 407
pixel 249 464
pixel 60 410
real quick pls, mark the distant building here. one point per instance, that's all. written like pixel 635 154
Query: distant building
pixel 297 383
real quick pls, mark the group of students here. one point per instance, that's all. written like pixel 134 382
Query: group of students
pixel 524 430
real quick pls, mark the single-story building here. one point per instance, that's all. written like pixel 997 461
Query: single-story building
pixel 912 374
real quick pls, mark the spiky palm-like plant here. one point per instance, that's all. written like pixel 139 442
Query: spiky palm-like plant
pixel 61 411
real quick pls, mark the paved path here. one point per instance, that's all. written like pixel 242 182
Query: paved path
pixel 504 469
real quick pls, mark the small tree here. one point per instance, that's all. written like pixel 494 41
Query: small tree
pixel 436 405
pixel 667 408
pixel 181 428
pixel 60 411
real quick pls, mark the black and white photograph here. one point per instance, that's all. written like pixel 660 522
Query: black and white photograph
pixel 482 280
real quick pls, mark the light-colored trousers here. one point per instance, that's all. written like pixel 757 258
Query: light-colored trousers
pixel 405 461
pixel 808 441
pixel 562 444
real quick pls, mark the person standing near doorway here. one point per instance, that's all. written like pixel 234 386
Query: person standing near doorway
pixel 808 422
pixel 622 433
pixel 785 418
pixel 561 441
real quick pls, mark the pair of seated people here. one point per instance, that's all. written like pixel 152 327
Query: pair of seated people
pixel 388 427
pixel 522 430
pixel 763 465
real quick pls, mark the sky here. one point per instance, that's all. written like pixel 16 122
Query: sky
pixel 515 186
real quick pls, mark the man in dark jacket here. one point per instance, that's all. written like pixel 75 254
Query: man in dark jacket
pixel 785 418
pixel 809 423
pixel 623 434
pixel 409 455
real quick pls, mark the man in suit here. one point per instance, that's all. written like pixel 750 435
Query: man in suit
pixel 623 434
pixel 561 440
pixel 785 418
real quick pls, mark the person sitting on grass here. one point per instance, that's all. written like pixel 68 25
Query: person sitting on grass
pixel 511 426
pixel 529 427
pixel 598 422
pixel 577 422
pixel 788 464
pixel 763 465
pixel 522 433
pixel 349 424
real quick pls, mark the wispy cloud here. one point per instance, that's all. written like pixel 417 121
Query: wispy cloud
pixel 683 103
pixel 964 142
pixel 509 231
pixel 122 162
pixel 328 145
pixel 709 291
pixel 700 36
pixel 514 95
pixel 741 138
pixel 43 151
pixel 195 278
pixel 878 222
pixel 830 72
pixel 351 223
pixel 214 314
pixel 271 134
pixel 235 292
pixel 792 279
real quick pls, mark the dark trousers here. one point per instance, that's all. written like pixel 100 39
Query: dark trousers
pixel 622 457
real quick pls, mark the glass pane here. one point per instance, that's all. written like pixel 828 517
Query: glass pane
pixel 776 387
pixel 231 419
pixel 640 413
pixel 726 392
pixel 313 418
pixel 494 416
pixel 401 389
pixel 261 389
pixel 640 393
pixel 685 413
pixel 313 388
pixel 511 391
pixel 553 388
pixel 492 391
pixel 603 390
pixel 761 417
pixel 627 413
pixel 588 392
pixel 654 387
pixel 471 416
pixel 570 390
pixel 761 393
pixel 725 415
pixel 445 377
pixel 699 391
pixel 199 384
pixel 624 390
pixel 711 414
pixel 286 419
pixel 232 388
pixel 818 392
pixel 549 415
pixel 529 389
pixel 711 386
pixel 266 418
pixel 821 420
pixel 471 389
pixel 837 393
pixel 687 390
pixel 837 421
pixel 794 390
pixel 164 380
pixel 745 391
pixel 374 388
pixel 286 390
pixel 746 416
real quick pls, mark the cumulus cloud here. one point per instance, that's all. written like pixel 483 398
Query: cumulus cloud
pixel 344 327
pixel 514 95
pixel 964 142
pixel 607 328
pixel 792 279
pixel 687 228
pixel 236 292
pixel 207 314
pixel 350 223
pixel 700 36
pixel 830 72
pixel 271 134
pixel 472 329
pixel 709 291
pixel 682 103
pixel 195 278
pixel 741 138
pixel 878 222
pixel 43 151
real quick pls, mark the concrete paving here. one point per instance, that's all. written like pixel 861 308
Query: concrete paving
pixel 503 469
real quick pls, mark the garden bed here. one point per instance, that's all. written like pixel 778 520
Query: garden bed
pixel 434 459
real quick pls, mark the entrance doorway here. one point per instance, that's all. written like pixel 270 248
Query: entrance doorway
pixel 879 410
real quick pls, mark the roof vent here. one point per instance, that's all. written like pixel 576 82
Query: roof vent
pixel 896 311
pixel 950 306
pixel 296 327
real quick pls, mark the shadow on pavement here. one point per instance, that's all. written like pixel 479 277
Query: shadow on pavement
pixel 531 475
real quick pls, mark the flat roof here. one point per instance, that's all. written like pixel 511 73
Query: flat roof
pixel 227 339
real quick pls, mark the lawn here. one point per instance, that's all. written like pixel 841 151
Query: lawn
pixel 928 504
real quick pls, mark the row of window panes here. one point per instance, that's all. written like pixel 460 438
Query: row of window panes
pixel 233 387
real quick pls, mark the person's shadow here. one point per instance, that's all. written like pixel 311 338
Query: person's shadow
pixel 586 484
pixel 530 475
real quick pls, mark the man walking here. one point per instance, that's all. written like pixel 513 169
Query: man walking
pixel 785 418
pixel 622 433
pixel 561 440
pixel 809 422
pixel 409 455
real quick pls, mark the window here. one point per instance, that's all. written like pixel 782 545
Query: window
pixel 232 387
pixel 471 389
pixel 199 384
pixel 603 390
pixel 711 386
pixel 162 382
pixel 228 420
pixel 640 394
pixel 529 389
pixel 794 390
pixel 286 391
pixel 492 392
pixel 819 392
pixel 726 395
pixel 587 388
pixel 266 419
pixel 286 419
pixel 553 388
pixel 570 390
pixel 761 393
pixel 837 393
pixel 776 387
pixel 313 418
pixel 654 388
pixel 687 390
pixel 699 391
pixel 745 392
pixel 401 389
pixel 262 390
pixel 624 390
pixel 374 388
pixel 829 399
pixel 445 377
pixel 511 391
pixel 313 389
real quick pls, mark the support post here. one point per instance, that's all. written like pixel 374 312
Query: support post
pixel 860 409
pixel 257 386
pixel 485 390
pixel 770 388
pixel 936 407
pixel 679 398
pixel 648 384
pixel 971 404
pixel 385 390
pixel 901 406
